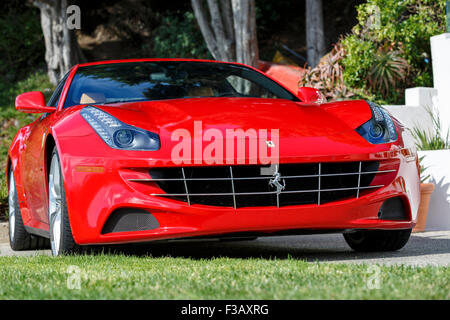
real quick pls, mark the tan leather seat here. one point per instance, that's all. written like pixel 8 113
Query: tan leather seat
pixel 92 97
pixel 201 92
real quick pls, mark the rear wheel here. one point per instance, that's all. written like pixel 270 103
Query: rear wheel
pixel 377 240
pixel 19 238
pixel 61 239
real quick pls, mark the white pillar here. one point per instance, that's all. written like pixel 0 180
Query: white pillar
pixel 420 97
pixel 440 53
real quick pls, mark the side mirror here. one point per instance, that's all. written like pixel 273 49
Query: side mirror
pixel 32 102
pixel 311 95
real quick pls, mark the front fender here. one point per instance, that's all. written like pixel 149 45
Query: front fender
pixel 353 113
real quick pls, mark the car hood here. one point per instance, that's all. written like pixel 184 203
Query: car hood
pixel 246 113
pixel 327 127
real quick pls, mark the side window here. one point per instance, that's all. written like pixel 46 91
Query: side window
pixel 54 99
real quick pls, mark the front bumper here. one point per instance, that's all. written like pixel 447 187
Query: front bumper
pixel 96 188
pixel 96 180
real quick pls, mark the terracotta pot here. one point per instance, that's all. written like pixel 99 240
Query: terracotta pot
pixel 426 189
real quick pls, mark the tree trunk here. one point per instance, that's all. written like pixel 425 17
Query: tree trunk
pixel 245 31
pixel 315 38
pixel 61 47
pixel 229 29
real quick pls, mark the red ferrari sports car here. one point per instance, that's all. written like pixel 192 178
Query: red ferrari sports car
pixel 154 149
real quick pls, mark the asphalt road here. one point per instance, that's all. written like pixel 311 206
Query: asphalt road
pixel 429 248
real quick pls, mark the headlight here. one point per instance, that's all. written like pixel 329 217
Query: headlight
pixel 117 134
pixel 379 129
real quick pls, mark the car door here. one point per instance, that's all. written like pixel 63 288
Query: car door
pixel 33 155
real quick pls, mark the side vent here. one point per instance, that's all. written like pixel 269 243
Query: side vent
pixel 130 219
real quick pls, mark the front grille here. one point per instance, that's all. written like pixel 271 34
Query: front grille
pixel 255 185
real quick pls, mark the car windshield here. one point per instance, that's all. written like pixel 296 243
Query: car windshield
pixel 158 80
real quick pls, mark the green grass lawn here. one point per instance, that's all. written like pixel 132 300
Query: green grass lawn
pixel 143 277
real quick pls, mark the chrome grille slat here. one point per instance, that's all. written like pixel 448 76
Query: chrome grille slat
pixel 258 193
pixel 263 178
pixel 232 187
pixel 319 178
pixel 186 187
pixel 278 193
pixel 241 186
pixel 359 180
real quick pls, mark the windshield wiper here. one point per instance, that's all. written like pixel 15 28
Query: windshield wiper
pixel 125 100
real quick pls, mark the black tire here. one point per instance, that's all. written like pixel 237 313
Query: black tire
pixel 21 239
pixel 67 244
pixel 377 240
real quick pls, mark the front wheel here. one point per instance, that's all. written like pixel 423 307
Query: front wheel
pixel 61 239
pixel 377 240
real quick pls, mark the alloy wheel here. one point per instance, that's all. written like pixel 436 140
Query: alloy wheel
pixel 54 205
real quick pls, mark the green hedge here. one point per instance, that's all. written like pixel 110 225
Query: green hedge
pixel 178 36
pixel 21 43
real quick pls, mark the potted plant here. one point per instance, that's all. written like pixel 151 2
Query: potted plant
pixel 426 142
pixel 426 189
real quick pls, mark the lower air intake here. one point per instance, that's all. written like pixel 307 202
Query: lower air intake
pixel 393 209
pixel 129 219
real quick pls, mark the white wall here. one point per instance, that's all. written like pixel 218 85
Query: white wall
pixel 440 54
pixel 412 116
pixel 420 96
pixel 437 163
pixel 416 113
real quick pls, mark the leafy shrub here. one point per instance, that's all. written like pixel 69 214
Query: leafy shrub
pixel 327 76
pixel 36 81
pixel 21 42
pixel 389 68
pixel 405 27
pixel 10 119
pixel 179 37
